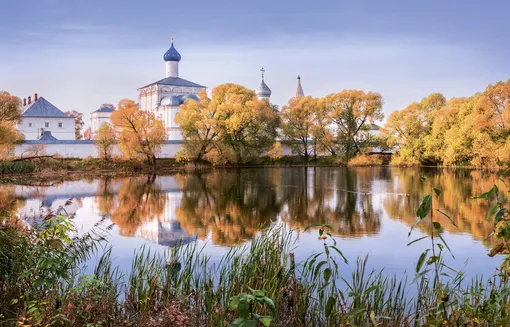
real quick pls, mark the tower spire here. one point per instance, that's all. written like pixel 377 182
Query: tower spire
pixel 299 89
pixel 262 70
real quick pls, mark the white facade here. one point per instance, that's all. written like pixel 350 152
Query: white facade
pixel 164 97
pixel 62 128
pixel 101 116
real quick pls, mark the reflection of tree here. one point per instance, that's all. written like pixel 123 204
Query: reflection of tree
pixel 9 204
pixel 105 197
pixel 457 186
pixel 333 196
pixel 139 199
pixel 232 206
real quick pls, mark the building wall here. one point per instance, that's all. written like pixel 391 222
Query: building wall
pixel 31 127
pixel 86 148
pixel 97 119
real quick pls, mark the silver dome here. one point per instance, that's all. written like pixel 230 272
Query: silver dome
pixel 263 90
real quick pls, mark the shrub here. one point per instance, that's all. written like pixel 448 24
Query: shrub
pixel 367 160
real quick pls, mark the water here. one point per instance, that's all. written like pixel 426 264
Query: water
pixel 370 210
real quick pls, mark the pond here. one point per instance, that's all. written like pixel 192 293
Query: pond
pixel 370 210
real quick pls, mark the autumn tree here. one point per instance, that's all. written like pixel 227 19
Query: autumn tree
pixel 323 133
pixel 231 126
pixel 350 112
pixel 297 123
pixel 248 125
pixel 105 139
pixel 87 134
pixel 78 122
pixel 140 133
pixel 10 114
pixel 409 128
pixel 199 123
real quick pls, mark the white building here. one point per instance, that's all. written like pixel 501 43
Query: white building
pixel 164 97
pixel 100 116
pixel 40 118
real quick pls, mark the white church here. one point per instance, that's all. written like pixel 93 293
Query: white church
pixel 164 97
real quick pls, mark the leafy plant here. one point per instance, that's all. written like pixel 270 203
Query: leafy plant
pixel 245 304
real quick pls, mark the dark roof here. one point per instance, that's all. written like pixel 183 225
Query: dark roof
pixel 105 109
pixel 43 108
pixel 175 81
pixel 46 136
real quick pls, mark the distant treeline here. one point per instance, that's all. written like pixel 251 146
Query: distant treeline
pixel 460 131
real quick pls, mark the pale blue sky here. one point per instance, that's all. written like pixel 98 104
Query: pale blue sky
pixel 81 54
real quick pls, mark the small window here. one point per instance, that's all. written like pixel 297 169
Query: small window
pixel 60 125
pixel 46 124
pixel 29 124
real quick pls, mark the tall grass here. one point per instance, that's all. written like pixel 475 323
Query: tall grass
pixel 190 290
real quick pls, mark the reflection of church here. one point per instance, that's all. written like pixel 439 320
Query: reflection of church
pixel 166 230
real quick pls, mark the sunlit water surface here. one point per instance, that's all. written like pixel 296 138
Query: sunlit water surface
pixel 370 210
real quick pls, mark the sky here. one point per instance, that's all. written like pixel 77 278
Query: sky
pixel 80 54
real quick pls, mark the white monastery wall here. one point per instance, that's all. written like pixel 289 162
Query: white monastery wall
pixel 31 127
pixel 85 148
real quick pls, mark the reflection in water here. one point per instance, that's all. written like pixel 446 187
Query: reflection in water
pixel 336 197
pixel 229 207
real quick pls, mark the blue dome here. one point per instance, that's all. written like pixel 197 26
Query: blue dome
pixel 172 54
pixel 189 96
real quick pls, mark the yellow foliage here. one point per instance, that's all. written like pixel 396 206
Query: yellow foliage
pixel 140 133
pixel 275 152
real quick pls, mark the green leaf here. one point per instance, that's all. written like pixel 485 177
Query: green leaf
pixel 266 320
pixel 249 323
pixel 329 305
pixel 312 226
pixel 356 312
pixel 267 301
pixel 234 302
pixel 243 308
pixel 489 195
pixel 424 207
pixel 417 240
pixel 318 267
pixel 437 191
pixel 340 253
pixel 500 215
pixel 237 322
pixel 327 274
pixel 437 226
pixel 421 260
pixel 423 178
pixel 258 293
pixel 492 212
pixel 432 259
pixel 447 216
